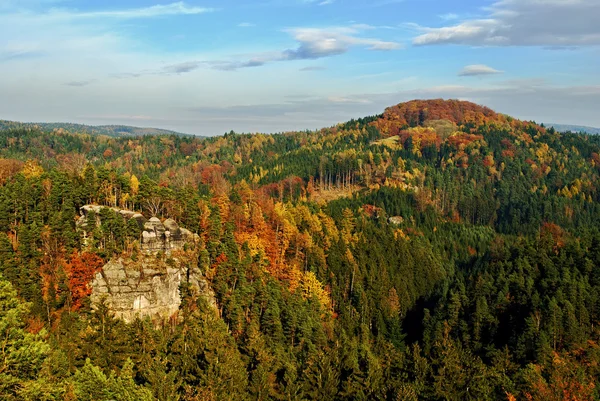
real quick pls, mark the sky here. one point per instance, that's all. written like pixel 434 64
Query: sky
pixel 206 67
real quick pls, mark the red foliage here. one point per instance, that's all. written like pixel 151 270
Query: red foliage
pixel 187 149
pixel 488 161
pixel 554 233
pixel 416 112
pixel 508 153
pixel 81 270
pixel 463 139
pixel 371 210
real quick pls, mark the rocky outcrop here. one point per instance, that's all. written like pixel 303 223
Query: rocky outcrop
pixel 397 220
pixel 148 287
pixel 156 235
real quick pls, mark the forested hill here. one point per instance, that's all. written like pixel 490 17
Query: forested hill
pixel 437 251
pixel 108 130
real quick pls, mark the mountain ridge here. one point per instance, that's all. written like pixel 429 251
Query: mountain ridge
pixel 574 128
pixel 112 130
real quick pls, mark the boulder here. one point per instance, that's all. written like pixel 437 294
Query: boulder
pixel 396 220
pixel 173 228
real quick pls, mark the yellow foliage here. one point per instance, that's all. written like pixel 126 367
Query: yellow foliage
pixel 32 169
pixel 135 185
pixel 312 287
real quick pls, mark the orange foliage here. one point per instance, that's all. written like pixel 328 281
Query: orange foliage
pixel 372 210
pixel 8 168
pixel 563 382
pixel 554 233
pixel 81 270
pixel 463 140
pixel 214 175
pixel 417 112
pixel 222 258
pixel 421 137
pixel 488 161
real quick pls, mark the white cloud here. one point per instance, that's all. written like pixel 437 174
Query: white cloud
pixel 313 43
pixel 320 42
pixel 524 23
pixel 449 16
pixel 178 8
pixel 313 68
pixel 478 69
pixel 342 99
pixel 319 2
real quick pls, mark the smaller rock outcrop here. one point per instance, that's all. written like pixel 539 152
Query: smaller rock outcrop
pixel 156 235
pixel 397 220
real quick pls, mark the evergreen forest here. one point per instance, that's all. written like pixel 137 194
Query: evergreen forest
pixel 437 251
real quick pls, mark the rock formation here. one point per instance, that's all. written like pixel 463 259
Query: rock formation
pixel 156 235
pixel 148 286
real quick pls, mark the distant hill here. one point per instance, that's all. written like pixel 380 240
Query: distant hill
pixel 108 130
pixel 574 128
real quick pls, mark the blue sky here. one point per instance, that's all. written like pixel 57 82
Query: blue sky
pixel 206 67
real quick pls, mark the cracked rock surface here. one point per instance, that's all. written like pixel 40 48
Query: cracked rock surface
pixel 148 286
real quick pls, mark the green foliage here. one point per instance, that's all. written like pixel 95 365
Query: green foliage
pixel 345 264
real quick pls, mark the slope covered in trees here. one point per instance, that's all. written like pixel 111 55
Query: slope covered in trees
pixel 439 251
pixel 108 130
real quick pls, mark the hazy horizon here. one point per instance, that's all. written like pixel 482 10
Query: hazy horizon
pixel 208 67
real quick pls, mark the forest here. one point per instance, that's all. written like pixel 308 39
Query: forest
pixel 437 251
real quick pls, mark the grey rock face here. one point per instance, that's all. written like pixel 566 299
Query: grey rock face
pixel 147 288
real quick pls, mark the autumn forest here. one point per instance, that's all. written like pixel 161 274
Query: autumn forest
pixel 437 251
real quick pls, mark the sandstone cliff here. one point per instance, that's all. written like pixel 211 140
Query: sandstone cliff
pixel 148 286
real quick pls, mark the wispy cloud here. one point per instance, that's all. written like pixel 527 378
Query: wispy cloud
pixel 159 10
pixel 478 70
pixel 313 68
pixel 319 2
pixel 181 67
pixel 449 16
pixel 343 99
pixel 246 25
pixel 323 42
pixel 524 23
pixel 313 43
pixel 79 83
